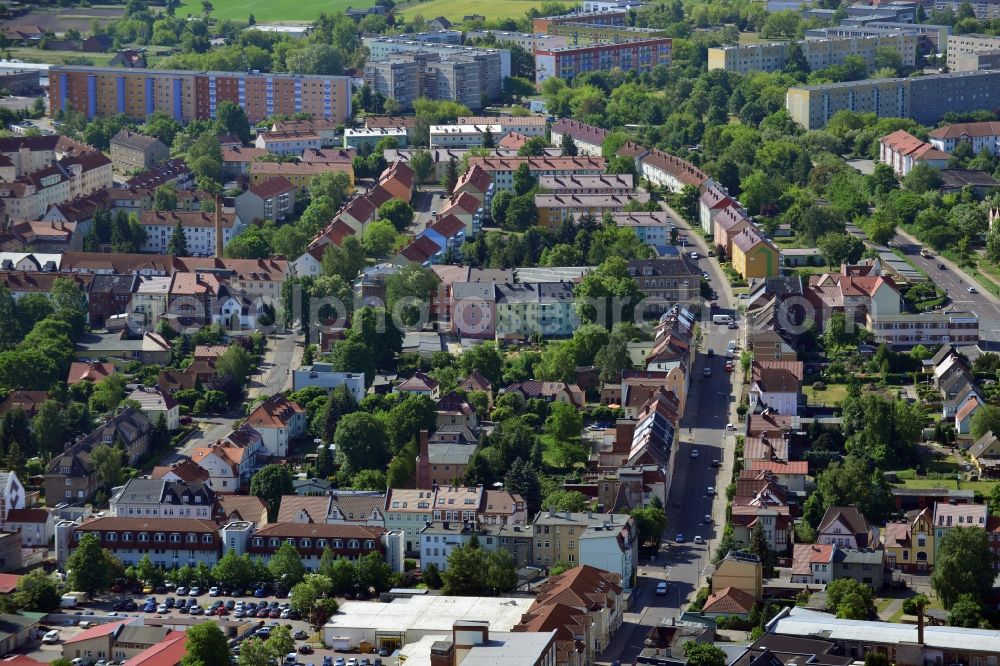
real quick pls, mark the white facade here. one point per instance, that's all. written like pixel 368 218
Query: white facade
pixel 784 403
pixel 200 238
pixel 34 533
pixel 463 136
pixel 602 550
pixel 307 264
pixel 12 494
pixel 436 543
pixel 290 144
pixel 322 374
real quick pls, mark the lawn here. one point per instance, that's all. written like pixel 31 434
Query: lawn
pixel 456 9
pixel 831 395
pixel 982 487
pixel 271 11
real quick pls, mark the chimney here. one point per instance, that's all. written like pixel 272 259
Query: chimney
pixel 424 454
pixel 218 226
pixel 920 625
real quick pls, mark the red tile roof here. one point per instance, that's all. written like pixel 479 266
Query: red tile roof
pixel 448 226
pixel 168 652
pixel 81 371
pixel 958 130
pixel 95 632
pixel 275 412
pixel 729 601
pixel 8 583
pixel 273 187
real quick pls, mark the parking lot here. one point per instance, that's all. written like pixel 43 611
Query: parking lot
pixel 115 607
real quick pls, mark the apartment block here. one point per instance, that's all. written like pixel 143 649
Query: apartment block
pixel 970 44
pixel 907 330
pixel 397 78
pixel 984 135
pixel 493 64
pixel 818 53
pixel 408 75
pixel 983 9
pixel 899 10
pixel 923 98
pixel 529 41
pixel 583 34
pixel 554 209
pixel 501 169
pixel 187 95
pixel 199 229
pixel 543 24
pixel 566 63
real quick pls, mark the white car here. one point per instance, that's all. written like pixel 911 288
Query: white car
pixel 708 518
pixel 694 255
pixel 710 491
pixel 694 453
pixel 971 290
pixel 661 588
pixel 730 426
pixel 698 539
pixel 51 637
pixel 213 591
pixel 182 591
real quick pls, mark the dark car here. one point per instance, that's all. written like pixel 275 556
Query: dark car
pixel 305 649
pixel 264 612
pixel 941 267
pixel 259 593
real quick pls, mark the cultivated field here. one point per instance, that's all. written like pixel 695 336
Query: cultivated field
pixel 272 11
pixel 456 9
pixel 63 19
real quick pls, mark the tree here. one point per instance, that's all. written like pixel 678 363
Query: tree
pixel 966 612
pixel 109 463
pixel 231 119
pixel 286 565
pixel 321 612
pixel 305 594
pixel 206 644
pixel 50 428
pixel 422 164
pixel 613 358
pixel 236 571
pixel 986 418
pixel 650 521
pixel 850 599
pixel 922 178
pixel 521 213
pixel 235 363
pixel 398 212
pixel 501 571
pixel 465 575
pixel 522 479
pixel 371 572
pixel 484 358
pixel 565 422
pixel 524 181
pixel 854 482
pixel 270 484
pixel 37 591
pixel 380 238
pixel 915 604
pixel 361 442
pixel 408 292
pixel 177 246
pixel 840 248
pixel 85 568
pixel 489 141
pixel 704 654
pixel 963 565
pixel 566 500
pixel 450 178
pixel 165 197
pixel 568 146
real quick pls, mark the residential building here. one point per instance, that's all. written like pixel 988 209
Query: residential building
pixel 903 151
pixel 236 160
pixel 279 421
pixel 526 40
pixel 322 374
pixel 776 386
pixel 299 174
pixel 132 152
pixel 153 404
pixel 818 53
pixel 741 571
pixel 669 171
pixel 754 255
pixel 36 526
pixel 652 228
pixel 812 563
pixel 408 511
pixel 906 330
pixel 272 200
pixel 761 500
pixel 909 544
pixel 501 169
pixel 554 209
pixel 985 454
pixel 169 542
pixel 525 308
pixel 969 44
pixel 26 82
pixel 606 541
pixel 980 136
pixel 346 541
pixel 190 95
pixel 109 296
pixel 925 99
pixel 605 18
pixel 89 371
pixel 200 230
pixel 589 139
pixel 584 34
pixel 549 392
pixel 633 56
pixel 846 528
pixel 288 142
pixel 325 128
pixel 12 495
pixel 947 516
pixel 72 476
pixel 162 498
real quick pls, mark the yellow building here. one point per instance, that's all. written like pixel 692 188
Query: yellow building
pixel 909 544
pixel 300 174
pixel 740 571
pixel 755 256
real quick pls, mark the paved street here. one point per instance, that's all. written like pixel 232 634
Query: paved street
pixel 274 375
pixel 955 282
pixel 710 406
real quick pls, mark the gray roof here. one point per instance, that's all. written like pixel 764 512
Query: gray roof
pixel 474 290
pixel 860 556
pixel 142 634
pixel 141 491
pixel 450 454
pixel 537 292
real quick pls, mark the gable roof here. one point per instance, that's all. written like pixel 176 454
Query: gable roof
pixel 81 371
pixel 275 412
pixel 983 444
pixel 850 517
pixel 729 601
pixel 273 187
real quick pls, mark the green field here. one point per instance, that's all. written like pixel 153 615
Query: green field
pixel 456 9
pixel 272 11
pixel 28 54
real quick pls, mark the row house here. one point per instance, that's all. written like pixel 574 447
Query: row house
pixel 980 136
pixel 236 160
pixel 713 202
pixel 665 170
pixel 29 196
pixel 109 296
pixel 589 140
pixel 609 542
pixel 607 184
pixel 22 155
pixel 21 284
pixel 324 128
pixel 555 209
pixel 776 386
pixel 761 500
pixel 909 543
pixel 665 282
pixel 347 507
pixel 821 564
pixel 501 169
pixel 299 174
pixel 173 171
pixel 288 141
pixel 311 540
pixel 650 227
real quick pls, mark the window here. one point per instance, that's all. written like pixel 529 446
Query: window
pixel 111 536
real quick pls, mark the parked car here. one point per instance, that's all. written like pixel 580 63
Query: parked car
pixel 51 637
pixel 698 539
pixel 300 635
pixel 305 649
pixel 661 588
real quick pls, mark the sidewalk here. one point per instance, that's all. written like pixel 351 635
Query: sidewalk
pixel 953 267
pixel 698 241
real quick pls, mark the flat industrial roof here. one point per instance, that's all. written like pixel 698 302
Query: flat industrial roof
pixel 430 613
